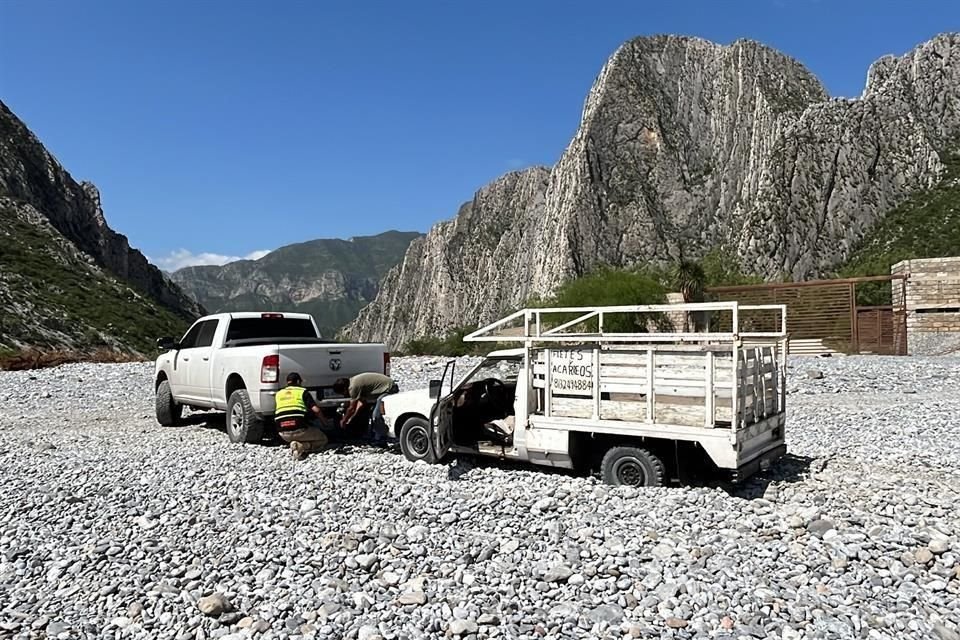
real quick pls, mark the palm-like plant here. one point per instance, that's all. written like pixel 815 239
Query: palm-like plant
pixel 689 280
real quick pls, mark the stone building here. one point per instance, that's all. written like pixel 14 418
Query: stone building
pixel 932 304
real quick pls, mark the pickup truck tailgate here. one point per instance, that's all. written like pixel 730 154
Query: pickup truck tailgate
pixel 321 365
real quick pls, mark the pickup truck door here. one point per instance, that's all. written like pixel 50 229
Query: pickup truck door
pixel 182 361
pixel 199 371
pixel 441 416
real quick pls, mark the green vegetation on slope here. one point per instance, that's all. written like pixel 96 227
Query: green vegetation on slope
pixel 927 225
pixel 50 295
pixel 362 257
pixel 605 286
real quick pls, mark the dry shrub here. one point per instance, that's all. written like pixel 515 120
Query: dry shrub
pixel 44 358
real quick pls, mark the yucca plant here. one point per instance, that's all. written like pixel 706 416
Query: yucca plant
pixel 689 280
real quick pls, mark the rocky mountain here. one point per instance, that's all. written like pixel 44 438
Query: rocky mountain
pixel 331 279
pixel 686 146
pixel 67 280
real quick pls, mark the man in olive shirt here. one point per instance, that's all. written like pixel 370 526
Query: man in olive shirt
pixel 366 388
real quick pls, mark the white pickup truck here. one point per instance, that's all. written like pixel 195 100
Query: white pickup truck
pixel 639 407
pixel 236 362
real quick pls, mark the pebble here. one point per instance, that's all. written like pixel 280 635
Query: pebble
pixel 558 573
pixel 939 546
pixel 213 605
pixel 820 527
pixel 125 522
pixel 412 597
pixel 460 627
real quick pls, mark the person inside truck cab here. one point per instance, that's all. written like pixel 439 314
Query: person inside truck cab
pixel 366 388
pixel 293 402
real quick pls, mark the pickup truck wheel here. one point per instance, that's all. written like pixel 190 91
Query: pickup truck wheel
pixel 632 467
pixel 243 425
pixel 415 440
pixel 168 411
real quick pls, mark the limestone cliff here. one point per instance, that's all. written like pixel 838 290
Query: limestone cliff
pixel 685 145
pixel 668 158
pixel 833 174
pixel 48 216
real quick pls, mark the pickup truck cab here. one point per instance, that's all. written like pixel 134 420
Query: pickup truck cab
pixel 236 362
pixel 640 408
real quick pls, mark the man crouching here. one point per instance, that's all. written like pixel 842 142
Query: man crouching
pixel 290 416
pixel 367 389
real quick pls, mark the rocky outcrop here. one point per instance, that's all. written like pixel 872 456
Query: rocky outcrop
pixel 331 279
pixel 30 175
pixel 834 173
pixel 685 145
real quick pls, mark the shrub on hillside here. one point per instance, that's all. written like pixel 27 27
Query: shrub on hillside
pixel 450 345
pixel 608 286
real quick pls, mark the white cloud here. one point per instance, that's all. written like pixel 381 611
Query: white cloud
pixel 181 258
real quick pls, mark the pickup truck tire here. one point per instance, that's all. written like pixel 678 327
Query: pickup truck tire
pixel 415 440
pixel 243 425
pixel 632 467
pixel 168 410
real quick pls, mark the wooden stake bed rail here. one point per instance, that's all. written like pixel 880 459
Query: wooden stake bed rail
pixel 709 380
pixel 685 388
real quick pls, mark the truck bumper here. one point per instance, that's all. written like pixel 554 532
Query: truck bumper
pixel 268 401
pixel 760 463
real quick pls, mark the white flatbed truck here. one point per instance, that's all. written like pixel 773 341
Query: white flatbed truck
pixel 640 407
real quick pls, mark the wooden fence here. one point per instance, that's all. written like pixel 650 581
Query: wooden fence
pixel 823 315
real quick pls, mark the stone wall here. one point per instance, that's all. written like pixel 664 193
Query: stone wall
pixel 932 304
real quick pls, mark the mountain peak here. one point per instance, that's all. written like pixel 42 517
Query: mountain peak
pixel 684 145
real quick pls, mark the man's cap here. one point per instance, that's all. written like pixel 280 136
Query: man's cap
pixel 293 376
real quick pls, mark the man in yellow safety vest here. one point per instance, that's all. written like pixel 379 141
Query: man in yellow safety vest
pixel 293 402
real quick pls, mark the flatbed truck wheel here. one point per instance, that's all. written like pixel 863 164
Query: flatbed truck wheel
pixel 415 440
pixel 631 467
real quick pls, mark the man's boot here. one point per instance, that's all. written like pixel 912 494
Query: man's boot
pixel 297 450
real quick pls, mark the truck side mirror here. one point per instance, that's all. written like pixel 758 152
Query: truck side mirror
pixel 435 388
pixel 167 342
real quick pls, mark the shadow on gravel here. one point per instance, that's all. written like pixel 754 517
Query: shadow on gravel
pixel 460 465
pixel 789 469
pixel 218 420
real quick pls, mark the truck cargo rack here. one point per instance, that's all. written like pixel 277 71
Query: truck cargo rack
pixel 660 377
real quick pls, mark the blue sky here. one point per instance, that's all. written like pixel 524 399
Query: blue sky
pixel 219 129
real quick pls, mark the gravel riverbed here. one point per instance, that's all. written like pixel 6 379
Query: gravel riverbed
pixel 113 527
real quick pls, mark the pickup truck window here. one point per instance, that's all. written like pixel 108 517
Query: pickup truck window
pixel 250 330
pixel 189 340
pixel 207 330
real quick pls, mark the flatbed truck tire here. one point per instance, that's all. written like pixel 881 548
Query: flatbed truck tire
pixel 415 441
pixel 168 410
pixel 631 467
pixel 243 424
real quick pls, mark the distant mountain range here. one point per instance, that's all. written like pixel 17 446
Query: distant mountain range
pixel 331 279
